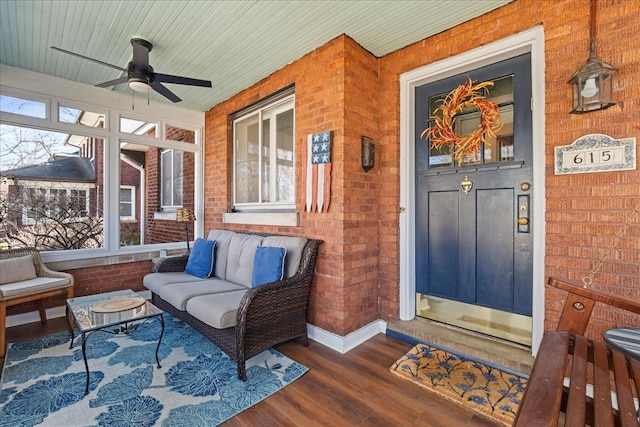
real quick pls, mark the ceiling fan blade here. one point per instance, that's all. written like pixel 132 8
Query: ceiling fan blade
pixel 90 59
pixel 162 90
pixel 114 82
pixel 167 78
pixel 141 49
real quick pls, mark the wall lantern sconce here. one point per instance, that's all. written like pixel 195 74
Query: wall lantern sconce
pixel 592 84
pixel 368 153
pixel 185 215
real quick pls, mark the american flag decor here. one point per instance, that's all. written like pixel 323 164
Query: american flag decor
pixel 318 191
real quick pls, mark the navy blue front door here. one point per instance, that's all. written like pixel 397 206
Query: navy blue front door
pixel 474 232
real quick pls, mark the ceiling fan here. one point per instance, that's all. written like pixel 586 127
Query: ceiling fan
pixel 140 75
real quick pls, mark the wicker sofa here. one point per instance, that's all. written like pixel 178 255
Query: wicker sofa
pixel 240 319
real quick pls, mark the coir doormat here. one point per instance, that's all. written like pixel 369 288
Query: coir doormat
pixel 493 393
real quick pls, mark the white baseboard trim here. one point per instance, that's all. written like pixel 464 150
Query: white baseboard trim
pixel 344 344
pixel 52 313
pixel 336 342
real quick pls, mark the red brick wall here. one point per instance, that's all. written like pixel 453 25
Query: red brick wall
pixel 336 89
pixel 107 278
pixel 341 87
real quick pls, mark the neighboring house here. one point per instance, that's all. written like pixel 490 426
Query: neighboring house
pixel 50 184
pixel 69 187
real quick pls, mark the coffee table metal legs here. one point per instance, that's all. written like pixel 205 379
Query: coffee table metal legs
pixel 86 364
pixel 160 339
pixel 84 347
pixel 70 324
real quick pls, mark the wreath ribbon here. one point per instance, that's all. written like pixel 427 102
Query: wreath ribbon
pixel 442 134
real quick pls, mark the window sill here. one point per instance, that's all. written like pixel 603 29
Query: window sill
pixel 169 216
pixel 286 219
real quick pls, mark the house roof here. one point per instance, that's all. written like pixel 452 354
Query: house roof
pixel 68 169
pixel 232 43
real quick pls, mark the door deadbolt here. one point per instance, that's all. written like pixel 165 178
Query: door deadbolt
pixel 523 213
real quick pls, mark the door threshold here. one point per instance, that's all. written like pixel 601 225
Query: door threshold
pixel 494 351
pixel 496 323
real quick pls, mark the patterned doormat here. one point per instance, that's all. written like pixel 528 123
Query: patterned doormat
pixel 491 392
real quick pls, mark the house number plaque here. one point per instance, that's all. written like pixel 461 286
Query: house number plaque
pixel 595 153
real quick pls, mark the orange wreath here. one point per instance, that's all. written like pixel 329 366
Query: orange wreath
pixel 464 96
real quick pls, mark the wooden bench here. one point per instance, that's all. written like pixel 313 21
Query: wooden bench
pixel 574 380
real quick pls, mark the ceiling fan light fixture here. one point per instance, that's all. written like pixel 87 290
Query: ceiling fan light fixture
pixel 139 86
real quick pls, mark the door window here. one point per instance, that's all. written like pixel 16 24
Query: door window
pixel 496 149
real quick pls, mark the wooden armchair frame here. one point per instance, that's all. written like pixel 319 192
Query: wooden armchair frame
pixel 580 302
pixel 567 355
pixel 36 295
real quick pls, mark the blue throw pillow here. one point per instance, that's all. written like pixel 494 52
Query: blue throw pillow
pixel 202 259
pixel 268 265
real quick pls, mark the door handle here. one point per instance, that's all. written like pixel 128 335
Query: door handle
pixel 523 213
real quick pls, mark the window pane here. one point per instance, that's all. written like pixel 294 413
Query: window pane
pixel 246 157
pixel 24 107
pixel 176 190
pixel 152 181
pixel 73 115
pixel 178 134
pixel 263 153
pixel 284 157
pixel 500 149
pixel 52 193
pixel 137 127
pixel 266 160
pixel 167 178
pixel 126 203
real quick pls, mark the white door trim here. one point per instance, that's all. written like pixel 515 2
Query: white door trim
pixel 532 41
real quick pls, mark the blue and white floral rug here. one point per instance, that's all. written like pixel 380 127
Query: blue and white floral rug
pixel 43 381
pixel 490 391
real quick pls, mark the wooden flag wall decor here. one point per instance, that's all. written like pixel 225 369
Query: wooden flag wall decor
pixel 318 191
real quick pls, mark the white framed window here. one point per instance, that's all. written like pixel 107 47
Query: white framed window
pixel 127 203
pixel 172 172
pixel 52 204
pixel 264 153
pixel 71 136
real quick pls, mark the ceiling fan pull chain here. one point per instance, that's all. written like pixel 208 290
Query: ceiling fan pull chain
pixel 588 280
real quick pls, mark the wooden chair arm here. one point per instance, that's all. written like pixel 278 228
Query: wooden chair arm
pixel 580 302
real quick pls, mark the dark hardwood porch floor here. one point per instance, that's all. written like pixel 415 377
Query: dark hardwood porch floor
pixel 352 389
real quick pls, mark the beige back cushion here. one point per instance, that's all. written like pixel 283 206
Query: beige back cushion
pixel 17 269
pixel 242 250
pixel 294 247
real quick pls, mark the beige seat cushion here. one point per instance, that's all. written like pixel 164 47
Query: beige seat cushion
pixel 17 269
pixel 32 286
pixel 155 281
pixel 217 310
pixel 178 294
